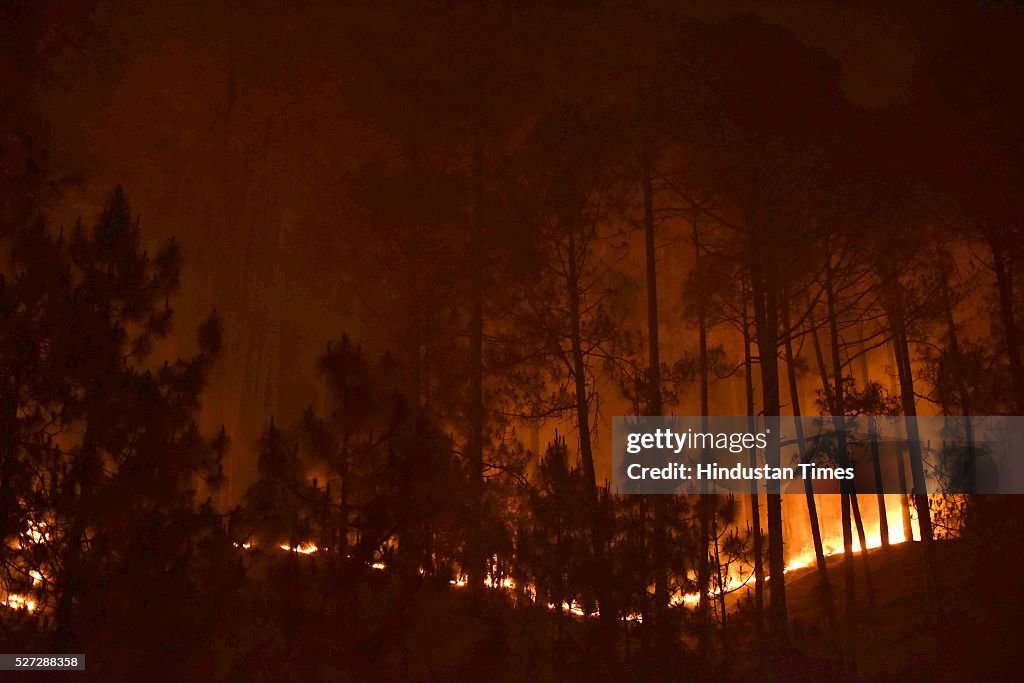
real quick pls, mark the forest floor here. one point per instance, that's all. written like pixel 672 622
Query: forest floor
pixel 294 623
pixel 955 626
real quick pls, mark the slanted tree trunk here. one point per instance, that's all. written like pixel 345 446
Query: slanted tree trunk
pixel 849 572
pixel 862 538
pixel 812 508
pixel 843 452
pixel 876 464
pixel 909 401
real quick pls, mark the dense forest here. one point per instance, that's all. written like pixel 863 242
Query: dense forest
pixel 555 214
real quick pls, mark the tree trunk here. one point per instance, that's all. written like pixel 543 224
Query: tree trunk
pixel 838 410
pixel 1004 283
pixel 901 472
pixel 876 463
pixel 9 507
pixel 597 532
pixel 706 509
pixel 764 286
pixel 862 538
pixel 343 470
pixel 896 311
pixel 812 508
pixel 969 465
pixel 755 503
pixel 909 400
pixel 63 636
pixel 659 540
pixel 721 586
pixel 474 552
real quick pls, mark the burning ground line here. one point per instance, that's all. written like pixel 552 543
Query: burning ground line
pixel 691 600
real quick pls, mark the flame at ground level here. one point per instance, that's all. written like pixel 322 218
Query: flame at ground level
pixel 830 523
pixel 18 601
pixel 304 548
pixel 829 516
pixel 832 544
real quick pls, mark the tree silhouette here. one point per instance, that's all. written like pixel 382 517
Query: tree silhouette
pixel 105 449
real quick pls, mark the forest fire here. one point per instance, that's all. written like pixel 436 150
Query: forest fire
pixel 525 341
pixel 832 542
pixel 304 548
pixel 833 545
pixel 736 580
pixel 17 601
